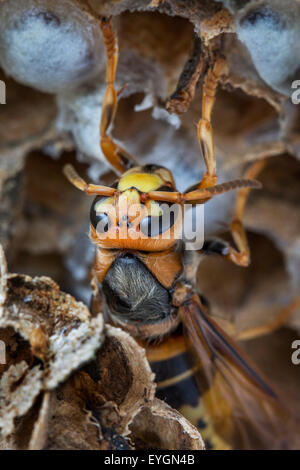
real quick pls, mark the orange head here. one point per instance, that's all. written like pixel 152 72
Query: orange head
pixel 130 220
pixel 126 217
pixel 143 209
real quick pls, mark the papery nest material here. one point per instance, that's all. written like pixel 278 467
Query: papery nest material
pixel 59 335
pixel 59 329
pixel 159 426
pixel 68 382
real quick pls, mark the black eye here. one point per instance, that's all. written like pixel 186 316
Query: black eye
pixel 156 225
pixel 99 220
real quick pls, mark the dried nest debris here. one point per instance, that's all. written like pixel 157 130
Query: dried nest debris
pixel 54 111
pixel 58 329
pixel 68 383
pixel 154 428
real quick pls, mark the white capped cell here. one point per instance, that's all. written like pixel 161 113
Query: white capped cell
pixel 49 45
pixel 271 32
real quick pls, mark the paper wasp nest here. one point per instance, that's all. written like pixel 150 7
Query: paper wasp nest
pixel 53 65
pixel 68 383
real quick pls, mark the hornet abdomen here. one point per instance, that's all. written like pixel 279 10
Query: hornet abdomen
pixel 177 386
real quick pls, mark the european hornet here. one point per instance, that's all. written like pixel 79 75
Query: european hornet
pixel 147 283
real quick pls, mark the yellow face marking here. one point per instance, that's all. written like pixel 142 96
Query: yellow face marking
pixel 103 203
pixel 144 182
pixel 154 209
pixel 130 197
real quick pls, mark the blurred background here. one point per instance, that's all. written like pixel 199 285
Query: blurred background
pixel 53 63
